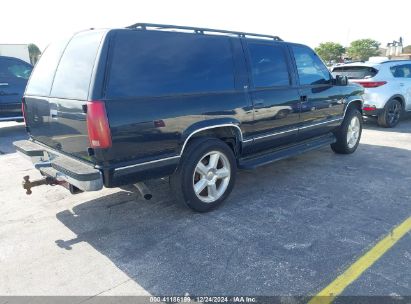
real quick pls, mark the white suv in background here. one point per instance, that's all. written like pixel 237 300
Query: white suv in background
pixel 387 87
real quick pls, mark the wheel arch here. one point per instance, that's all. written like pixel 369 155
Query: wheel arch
pixel 357 103
pixel 227 130
pixel 400 98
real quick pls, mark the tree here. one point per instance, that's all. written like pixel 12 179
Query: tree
pixel 34 53
pixel 330 51
pixel 407 49
pixel 363 49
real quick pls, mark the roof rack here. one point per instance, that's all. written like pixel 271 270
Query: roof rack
pixel 198 30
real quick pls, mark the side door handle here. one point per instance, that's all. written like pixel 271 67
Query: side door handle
pixel 401 84
pixel 303 98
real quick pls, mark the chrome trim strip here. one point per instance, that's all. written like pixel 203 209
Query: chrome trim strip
pixel 146 163
pixel 247 140
pixel 211 127
pixel 275 134
pixel 320 123
pixel 11 118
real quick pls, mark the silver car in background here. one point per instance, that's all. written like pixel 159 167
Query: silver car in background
pixel 387 87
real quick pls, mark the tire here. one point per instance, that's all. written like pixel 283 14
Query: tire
pixel 391 114
pixel 191 173
pixel 348 134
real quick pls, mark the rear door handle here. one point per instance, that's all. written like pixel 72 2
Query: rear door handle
pixel 3 84
pixel 401 84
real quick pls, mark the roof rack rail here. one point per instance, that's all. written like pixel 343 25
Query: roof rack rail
pixel 199 30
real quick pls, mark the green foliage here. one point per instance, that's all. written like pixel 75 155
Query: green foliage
pixel 330 51
pixel 407 49
pixel 363 49
pixel 34 53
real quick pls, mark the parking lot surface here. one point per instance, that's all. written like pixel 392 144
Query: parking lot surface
pixel 289 228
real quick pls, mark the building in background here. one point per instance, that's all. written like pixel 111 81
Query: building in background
pixel 395 50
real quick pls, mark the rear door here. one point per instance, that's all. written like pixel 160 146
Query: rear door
pixel 58 90
pixel 322 103
pixel 274 94
pixel 13 79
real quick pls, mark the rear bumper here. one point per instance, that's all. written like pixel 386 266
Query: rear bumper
pixel 61 167
pixel 373 112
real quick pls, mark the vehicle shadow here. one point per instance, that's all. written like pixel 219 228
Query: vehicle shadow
pixel 287 228
pixel 8 134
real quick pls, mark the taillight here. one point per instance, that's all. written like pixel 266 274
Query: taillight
pixel 23 111
pixel 97 125
pixel 371 84
pixel 369 107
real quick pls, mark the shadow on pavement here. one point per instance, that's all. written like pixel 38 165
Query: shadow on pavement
pixel 287 229
pixel 10 132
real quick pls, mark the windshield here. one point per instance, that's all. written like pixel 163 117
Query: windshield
pixel 355 72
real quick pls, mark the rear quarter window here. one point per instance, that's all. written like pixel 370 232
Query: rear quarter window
pixel 355 72
pixel 150 63
pixel 42 76
pixel 73 75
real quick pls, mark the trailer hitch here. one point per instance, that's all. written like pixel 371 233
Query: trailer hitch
pixel 27 184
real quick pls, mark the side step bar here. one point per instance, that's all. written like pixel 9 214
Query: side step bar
pixel 279 154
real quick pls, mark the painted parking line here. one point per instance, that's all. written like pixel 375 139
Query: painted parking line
pixel 335 288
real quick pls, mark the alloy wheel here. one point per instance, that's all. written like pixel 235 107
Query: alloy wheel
pixel 353 132
pixel 211 176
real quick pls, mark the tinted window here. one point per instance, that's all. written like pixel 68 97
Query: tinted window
pixel 147 63
pixel 14 69
pixel 355 72
pixel 401 71
pixel 268 65
pixel 43 74
pixel 311 70
pixel 73 74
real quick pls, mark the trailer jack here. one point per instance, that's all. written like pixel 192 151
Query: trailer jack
pixel 27 184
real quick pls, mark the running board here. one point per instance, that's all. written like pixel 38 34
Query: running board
pixel 250 163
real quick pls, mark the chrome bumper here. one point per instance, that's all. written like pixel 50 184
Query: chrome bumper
pixel 61 167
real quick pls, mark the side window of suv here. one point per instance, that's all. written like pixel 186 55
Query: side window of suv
pixel 14 69
pixel 268 65
pixel 401 71
pixel 311 70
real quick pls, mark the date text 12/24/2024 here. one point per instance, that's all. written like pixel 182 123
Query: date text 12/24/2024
pixel 202 299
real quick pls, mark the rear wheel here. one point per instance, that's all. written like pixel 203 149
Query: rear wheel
pixel 349 134
pixel 206 174
pixel 391 114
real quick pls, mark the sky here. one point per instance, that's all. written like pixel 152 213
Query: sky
pixel 307 22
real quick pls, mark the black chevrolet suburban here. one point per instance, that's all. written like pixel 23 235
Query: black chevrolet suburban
pixel 115 107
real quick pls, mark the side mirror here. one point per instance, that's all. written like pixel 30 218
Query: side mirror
pixel 341 80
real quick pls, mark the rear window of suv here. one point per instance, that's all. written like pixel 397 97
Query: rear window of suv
pixel 43 73
pixel 64 69
pixel 73 75
pixel 150 63
pixel 355 72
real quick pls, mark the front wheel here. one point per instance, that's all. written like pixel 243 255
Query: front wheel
pixel 349 133
pixel 206 174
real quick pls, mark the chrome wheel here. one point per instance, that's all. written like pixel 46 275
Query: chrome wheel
pixel 211 176
pixel 353 132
